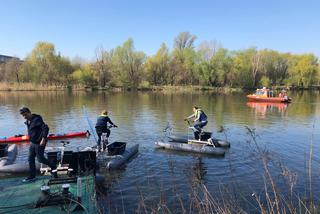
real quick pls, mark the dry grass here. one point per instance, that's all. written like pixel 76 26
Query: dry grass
pixel 275 199
pixel 278 195
pixel 193 88
pixel 4 86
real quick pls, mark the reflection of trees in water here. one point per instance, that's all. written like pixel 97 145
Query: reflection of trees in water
pixel 157 107
pixel 196 171
pixel 199 170
pixel 107 189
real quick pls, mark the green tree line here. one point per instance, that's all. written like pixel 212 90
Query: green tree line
pixel 208 64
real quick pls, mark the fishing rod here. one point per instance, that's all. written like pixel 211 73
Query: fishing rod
pixel 90 124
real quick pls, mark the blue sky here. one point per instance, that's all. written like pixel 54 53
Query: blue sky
pixel 77 28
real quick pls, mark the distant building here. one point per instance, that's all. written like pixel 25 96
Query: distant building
pixel 4 58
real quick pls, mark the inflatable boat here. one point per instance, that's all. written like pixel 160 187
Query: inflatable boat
pixel 204 136
pixel 191 147
pixel 112 158
pixel 184 139
pixel 18 168
pixel 111 162
pixel 115 155
pixel 8 154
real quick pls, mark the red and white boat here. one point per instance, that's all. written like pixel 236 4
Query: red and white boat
pixel 266 95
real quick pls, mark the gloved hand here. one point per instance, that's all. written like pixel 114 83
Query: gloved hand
pixel 115 126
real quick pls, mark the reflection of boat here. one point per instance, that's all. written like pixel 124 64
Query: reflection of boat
pixel 266 104
pixel 262 107
pixel 24 138
pixel 266 95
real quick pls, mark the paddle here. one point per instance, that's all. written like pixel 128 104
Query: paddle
pixel 90 124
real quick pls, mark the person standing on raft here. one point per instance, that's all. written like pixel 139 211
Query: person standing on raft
pixel 38 132
pixel 200 120
pixel 102 127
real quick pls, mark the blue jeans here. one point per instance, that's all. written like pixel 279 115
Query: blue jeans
pixel 99 131
pixel 35 150
pixel 198 126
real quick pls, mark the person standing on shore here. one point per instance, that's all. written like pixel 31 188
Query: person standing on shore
pixel 38 132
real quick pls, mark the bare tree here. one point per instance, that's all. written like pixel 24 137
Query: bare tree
pixel 256 67
pixel 184 40
pixel 11 70
pixel 103 65
pixel 208 49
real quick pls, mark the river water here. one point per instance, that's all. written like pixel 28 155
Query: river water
pixel 287 133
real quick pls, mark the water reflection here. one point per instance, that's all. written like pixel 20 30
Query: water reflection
pixel 262 108
pixel 199 170
pixel 141 117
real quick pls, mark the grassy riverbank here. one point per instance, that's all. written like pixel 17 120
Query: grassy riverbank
pixel 41 87
pixel 29 87
pixel 4 86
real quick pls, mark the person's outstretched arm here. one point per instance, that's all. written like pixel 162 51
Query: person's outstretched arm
pixel 189 117
pixel 109 121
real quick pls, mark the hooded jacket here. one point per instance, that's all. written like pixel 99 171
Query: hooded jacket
pixel 37 129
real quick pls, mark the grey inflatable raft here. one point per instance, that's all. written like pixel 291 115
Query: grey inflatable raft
pixel 7 164
pixel 18 168
pixel 8 154
pixel 116 161
pixel 199 148
pixel 184 139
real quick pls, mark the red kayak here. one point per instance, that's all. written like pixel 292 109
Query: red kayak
pixel 24 138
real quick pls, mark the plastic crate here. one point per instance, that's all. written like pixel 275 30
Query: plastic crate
pixel 204 136
pixel 116 148
pixel 52 157
pixel 3 150
pixel 55 157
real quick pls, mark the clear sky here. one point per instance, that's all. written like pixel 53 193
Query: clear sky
pixel 77 27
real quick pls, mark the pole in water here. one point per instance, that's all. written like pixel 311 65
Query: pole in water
pixel 89 123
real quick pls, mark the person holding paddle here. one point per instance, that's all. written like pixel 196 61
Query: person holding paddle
pixel 200 120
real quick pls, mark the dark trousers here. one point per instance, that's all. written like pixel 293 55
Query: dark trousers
pixel 198 126
pixel 101 130
pixel 35 150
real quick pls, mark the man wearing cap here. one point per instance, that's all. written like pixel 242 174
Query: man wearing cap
pixel 38 132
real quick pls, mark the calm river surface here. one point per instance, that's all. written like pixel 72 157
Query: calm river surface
pixel 286 131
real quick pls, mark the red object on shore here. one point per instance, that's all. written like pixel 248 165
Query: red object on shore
pixel 257 98
pixel 25 138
